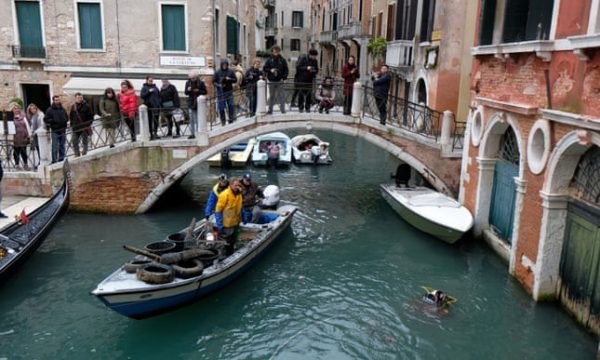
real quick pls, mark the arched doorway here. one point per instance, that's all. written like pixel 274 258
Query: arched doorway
pixel 579 273
pixel 506 168
pixel 421 92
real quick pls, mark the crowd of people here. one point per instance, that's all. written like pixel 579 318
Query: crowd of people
pixel 230 83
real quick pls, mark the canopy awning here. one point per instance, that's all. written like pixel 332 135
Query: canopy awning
pixel 96 86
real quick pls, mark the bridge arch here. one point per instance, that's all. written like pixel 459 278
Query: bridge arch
pixel 373 133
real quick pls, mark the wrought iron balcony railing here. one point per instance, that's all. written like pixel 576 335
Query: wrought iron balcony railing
pixel 28 52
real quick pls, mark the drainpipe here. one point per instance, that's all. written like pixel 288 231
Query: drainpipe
pixel 548 91
pixel 214 35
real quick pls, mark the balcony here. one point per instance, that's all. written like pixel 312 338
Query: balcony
pixel 270 31
pixel 268 3
pixel 28 52
pixel 350 31
pixel 328 37
pixel 399 54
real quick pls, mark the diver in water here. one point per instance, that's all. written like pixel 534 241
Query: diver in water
pixel 436 297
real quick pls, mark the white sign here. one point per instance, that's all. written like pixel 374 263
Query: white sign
pixel 183 61
pixel 179 154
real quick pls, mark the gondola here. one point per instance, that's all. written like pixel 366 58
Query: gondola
pixel 152 284
pixel 20 239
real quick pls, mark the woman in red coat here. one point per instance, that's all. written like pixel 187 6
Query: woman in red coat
pixel 350 75
pixel 128 105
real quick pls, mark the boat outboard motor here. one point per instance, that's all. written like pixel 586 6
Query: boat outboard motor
pixel 402 176
pixel 271 200
pixel 225 161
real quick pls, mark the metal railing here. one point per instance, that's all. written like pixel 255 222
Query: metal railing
pixel 458 134
pixel 29 52
pixel 13 158
pixel 399 53
pixel 328 36
pixel 415 118
pixel 350 30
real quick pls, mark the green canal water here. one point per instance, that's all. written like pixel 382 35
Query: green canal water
pixel 344 282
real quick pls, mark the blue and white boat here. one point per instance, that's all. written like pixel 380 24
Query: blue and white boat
pixel 124 293
pixel 264 142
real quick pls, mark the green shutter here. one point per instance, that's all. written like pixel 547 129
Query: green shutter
pixel 173 27
pixel 30 23
pixel 90 25
pixel 232 35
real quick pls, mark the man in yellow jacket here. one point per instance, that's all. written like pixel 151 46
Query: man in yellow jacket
pixel 228 213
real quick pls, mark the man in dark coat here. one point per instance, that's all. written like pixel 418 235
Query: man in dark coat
pixel 276 71
pixel 253 74
pixel 169 101
pixel 224 79
pixel 151 96
pixel 56 118
pixel 381 87
pixel 194 87
pixel 251 195
pixel 307 69
pixel 81 117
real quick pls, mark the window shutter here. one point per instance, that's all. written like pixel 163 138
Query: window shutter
pixel 30 23
pixel 90 27
pixel 173 27
pixel 232 35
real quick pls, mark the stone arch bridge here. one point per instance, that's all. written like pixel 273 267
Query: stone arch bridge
pixel 131 177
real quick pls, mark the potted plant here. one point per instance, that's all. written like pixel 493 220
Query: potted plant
pixel 377 47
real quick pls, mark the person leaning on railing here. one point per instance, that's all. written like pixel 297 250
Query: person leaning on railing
pixel 56 118
pixel 253 74
pixel 81 117
pixel 111 114
pixel 381 87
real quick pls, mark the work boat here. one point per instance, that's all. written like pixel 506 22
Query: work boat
pixel 309 149
pixel 187 266
pixel 264 142
pixel 429 211
pixel 235 156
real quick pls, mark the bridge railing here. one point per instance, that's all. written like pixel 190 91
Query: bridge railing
pixel 415 118
pixel 12 158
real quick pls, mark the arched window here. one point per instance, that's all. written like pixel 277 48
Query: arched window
pixel 586 181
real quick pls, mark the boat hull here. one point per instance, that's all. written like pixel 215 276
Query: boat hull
pixel 156 300
pixel 441 232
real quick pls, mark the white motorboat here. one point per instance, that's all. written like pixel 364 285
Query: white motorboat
pixel 429 211
pixel 309 149
pixel 235 156
pixel 264 144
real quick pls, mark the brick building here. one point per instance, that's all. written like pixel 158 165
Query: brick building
pixel 531 165
pixel 64 46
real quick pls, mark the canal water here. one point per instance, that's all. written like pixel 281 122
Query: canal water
pixel 344 282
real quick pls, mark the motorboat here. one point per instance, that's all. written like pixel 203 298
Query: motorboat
pixel 151 284
pixel 309 149
pixel 429 211
pixel 20 239
pixel 235 156
pixel 264 145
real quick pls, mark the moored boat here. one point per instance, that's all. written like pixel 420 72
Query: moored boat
pixel 309 149
pixel 20 239
pixel 125 293
pixel 429 211
pixel 234 156
pixel 260 154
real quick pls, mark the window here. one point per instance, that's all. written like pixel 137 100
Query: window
pixel 488 12
pixel 173 27
pixel 295 44
pixel 297 19
pixel 282 19
pixel 216 30
pixel 360 10
pixel 233 30
pixel 29 22
pixel 90 25
pixel 406 18
pixel 389 32
pixel 281 46
pixel 427 20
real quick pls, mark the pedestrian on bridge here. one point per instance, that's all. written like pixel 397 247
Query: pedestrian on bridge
pixel 276 70
pixel 350 75
pixel 22 135
pixel 223 80
pixel 307 69
pixel 56 118
pixel 128 105
pixel 253 74
pixel 169 101
pixel 381 87
pixel 194 87
pixel 81 117
pixel 151 96
pixel 111 114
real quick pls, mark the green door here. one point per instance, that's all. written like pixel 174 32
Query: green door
pixel 503 199
pixel 30 28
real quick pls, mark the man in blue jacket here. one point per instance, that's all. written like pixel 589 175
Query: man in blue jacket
pixel 213 197
pixel 381 87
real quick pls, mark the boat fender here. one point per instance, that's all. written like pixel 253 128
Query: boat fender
pixel 155 273
pixel 132 266
pixel 188 269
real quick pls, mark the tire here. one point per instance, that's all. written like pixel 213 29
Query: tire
pixel 132 266
pixel 208 259
pixel 155 273
pixel 188 269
